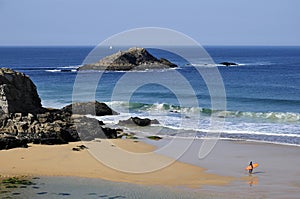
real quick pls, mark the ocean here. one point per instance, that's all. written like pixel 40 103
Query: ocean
pixel 262 91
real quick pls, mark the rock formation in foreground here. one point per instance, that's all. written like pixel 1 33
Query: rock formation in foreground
pixel 23 119
pixel 18 93
pixel 131 59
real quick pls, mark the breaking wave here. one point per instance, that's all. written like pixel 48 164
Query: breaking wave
pixel 189 111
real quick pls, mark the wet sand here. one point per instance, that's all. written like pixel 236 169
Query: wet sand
pixel 61 160
pixel 277 176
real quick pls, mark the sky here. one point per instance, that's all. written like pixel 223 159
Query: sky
pixel 209 22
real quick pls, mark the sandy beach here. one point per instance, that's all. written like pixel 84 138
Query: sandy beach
pixel 61 160
pixel 221 172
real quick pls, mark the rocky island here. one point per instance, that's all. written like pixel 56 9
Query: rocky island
pixel 131 59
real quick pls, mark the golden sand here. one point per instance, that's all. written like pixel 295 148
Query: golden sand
pixel 61 160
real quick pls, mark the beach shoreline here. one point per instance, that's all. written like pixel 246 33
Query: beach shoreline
pixel 277 175
pixel 221 172
pixel 61 160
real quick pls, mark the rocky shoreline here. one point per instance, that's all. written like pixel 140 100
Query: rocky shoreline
pixel 24 120
pixel 50 127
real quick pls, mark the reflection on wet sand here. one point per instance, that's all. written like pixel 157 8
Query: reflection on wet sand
pixel 253 180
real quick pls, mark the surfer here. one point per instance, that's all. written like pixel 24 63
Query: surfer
pixel 251 169
pixel 251 166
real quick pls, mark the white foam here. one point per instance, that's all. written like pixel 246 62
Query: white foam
pixel 75 67
pixel 53 70
pixel 53 104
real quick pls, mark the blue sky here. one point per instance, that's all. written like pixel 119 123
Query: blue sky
pixel 210 22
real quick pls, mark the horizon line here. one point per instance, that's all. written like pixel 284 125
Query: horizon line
pixel 207 45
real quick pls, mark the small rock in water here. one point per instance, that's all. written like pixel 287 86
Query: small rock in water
pixel 64 194
pixel 229 63
pixel 42 193
pixel 138 121
pixel 154 137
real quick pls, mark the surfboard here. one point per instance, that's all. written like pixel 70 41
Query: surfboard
pixel 254 166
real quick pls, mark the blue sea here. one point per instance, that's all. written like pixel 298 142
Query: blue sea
pixel 262 91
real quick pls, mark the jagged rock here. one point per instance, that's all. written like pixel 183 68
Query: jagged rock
pixel 131 59
pixel 60 128
pixel 18 93
pixel 138 121
pixel 90 128
pixel 20 125
pixel 54 127
pixel 24 120
pixel 93 108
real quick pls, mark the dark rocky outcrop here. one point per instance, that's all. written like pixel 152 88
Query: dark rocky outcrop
pixel 229 63
pixel 92 108
pixel 23 120
pixel 138 121
pixel 18 94
pixel 89 128
pixel 131 59
pixel 9 142
pixel 51 127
